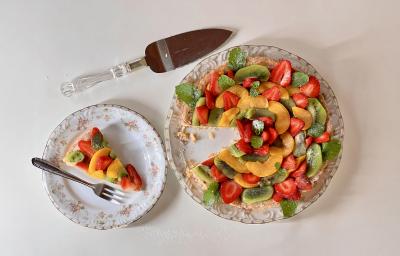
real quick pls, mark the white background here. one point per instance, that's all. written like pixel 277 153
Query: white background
pixel 353 44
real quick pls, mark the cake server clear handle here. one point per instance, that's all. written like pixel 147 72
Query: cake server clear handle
pixel 86 81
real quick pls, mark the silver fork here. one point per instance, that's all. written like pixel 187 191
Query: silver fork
pixel 100 189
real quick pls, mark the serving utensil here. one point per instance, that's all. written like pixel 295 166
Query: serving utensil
pixel 161 56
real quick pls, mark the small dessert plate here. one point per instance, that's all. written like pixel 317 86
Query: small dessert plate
pixel 134 139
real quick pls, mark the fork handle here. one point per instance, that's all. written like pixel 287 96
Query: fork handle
pixel 49 167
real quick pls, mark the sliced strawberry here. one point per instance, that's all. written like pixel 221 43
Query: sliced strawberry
pixel 250 178
pixel 230 100
pixel 202 114
pixel 83 165
pixel 295 196
pixel 230 191
pixel 244 146
pixel 103 162
pixel 248 82
pixel 289 163
pixel 208 162
pixel 277 197
pixel 282 73
pixel 325 137
pixel 273 93
pixel 262 151
pixel 136 181
pixel 210 101
pixel 86 147
pixel 312 88
pixel 286 188
pixel 230 73
pixel 295 126
pixel 300 171
pixel 308 141
pixel 95 131
pixel 264 136
pixel 214 87
pixel 248 131
pixel 268 122
pixel 272 135
pixel 300 100
pixel 125 183
pixel 217 174
pixel 303 183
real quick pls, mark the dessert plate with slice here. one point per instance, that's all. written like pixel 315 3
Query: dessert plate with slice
pixel 105 144
pixel 254 134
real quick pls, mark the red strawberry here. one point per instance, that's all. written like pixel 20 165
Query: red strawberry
pixel 277 197
pixel 250 178
pixel 230 100
pixel 268 122
pixel 286 188
pixel 209 99
pixel 289 163
pixel 295 126
pixel 312 88
pixel 217 174
pixel 103 162
pixel 282 73
pixel 247 132
pixel 325 137
pixel 248 82
pixel 273 93
pixel 272 135
pixel 262 151
pixel 300 99
pixel 214 87
pixel 208 162
pixel 295 196
pixel 309 140
pixel 230 191
pixel 303 183
pixel 244 146
pixel 300 171
pixel 202 114
pixel 230 73
pixel 264 136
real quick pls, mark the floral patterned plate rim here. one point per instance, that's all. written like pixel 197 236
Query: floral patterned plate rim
pixel 134 139
pixel 177 152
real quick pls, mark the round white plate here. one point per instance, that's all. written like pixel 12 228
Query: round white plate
pixel 134 140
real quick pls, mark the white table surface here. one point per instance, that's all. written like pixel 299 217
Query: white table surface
pixel 353 44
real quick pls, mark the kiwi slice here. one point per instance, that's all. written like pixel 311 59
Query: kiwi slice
pixel 74 157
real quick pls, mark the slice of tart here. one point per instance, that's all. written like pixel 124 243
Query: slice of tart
pixel 93 154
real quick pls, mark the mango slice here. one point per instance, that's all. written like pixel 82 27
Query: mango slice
pixel 252 102
pixel 227 117
pixel 288 143
pixel 96 156
pixel 239 180
pixel 292 90
pixel 275 151
pixel 282 122
pixel 266 168
pixel 303 115
pixel 99 174
pixel 115 168
pixel 300 160
pixel 267 85
pixel 226 156
pixel 236 89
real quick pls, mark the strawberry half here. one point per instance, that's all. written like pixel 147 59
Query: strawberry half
pixel 262 151
pixel 244 146
pixel 248 82
pixel 300 100
pixel 230 100
pixel 202 114
pixel 325 137
pixel 210 103
pixel 273 93
pixel 312 88
pixel 295 126
pixel 272 135
pixel 289 163
pixel 282 73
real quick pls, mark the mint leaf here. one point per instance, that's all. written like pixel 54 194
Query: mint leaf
pixel 187 93
pixel 288 208
pixel 331 149
pixel 277 165
pixel 258 126
pixel 236 59
pixel 225 82
pixel 255 84
pixel 299 78
pixel 211 195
